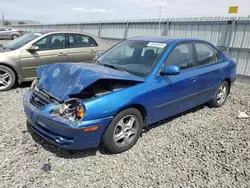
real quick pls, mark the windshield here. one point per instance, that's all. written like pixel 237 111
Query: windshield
pixel 135 57
pixel 19 42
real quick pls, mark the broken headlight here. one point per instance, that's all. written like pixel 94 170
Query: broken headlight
pixel 71 110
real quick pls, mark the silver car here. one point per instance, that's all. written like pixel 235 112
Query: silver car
pixel 9 33
pixel 20 58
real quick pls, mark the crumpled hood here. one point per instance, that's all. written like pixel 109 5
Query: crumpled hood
pixel 64 79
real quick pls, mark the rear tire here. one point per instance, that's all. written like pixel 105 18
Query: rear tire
pixel 14 36
pixel 220 95
pixel 123 132
pixel 7 78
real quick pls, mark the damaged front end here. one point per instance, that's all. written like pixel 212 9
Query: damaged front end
pixel 73 109
pixel 68 97
pixel 58 105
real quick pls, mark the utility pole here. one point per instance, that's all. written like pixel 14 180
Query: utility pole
pixel 3 18
pixel 160 21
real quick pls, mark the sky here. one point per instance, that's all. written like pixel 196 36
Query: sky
pixel 72 11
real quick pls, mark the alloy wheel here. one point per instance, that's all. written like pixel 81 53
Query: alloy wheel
pixel 125 131
pixel 5 79
pixel 222 94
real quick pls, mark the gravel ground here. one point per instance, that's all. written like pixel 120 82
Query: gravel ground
pixel 204 147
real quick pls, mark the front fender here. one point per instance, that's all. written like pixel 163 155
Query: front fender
pixel 111 104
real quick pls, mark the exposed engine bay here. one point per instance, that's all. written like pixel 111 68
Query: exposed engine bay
pixel 72 108
pixel 103 87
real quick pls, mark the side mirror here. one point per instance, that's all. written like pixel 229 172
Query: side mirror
pixel 98 55
pixel 33 49
pixel 170 70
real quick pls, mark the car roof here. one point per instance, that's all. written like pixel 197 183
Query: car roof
pixel 62 31
pixel 162 39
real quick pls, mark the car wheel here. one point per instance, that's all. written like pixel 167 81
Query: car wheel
pixel 220 95
pixel 124 131
pixel 7 78
pixel 14 36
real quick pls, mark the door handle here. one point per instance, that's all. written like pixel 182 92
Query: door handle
pixel 193 79
pixel 92 51
pixel 61 54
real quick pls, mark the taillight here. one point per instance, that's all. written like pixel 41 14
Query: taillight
pixel 20 32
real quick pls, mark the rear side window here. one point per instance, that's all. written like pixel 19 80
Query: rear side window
pixel 182 56
pixel 206 54
pixel 78 41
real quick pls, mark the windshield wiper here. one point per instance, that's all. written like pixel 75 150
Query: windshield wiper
pixel 114 67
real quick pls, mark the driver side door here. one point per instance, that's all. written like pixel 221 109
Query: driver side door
pixel 51 50
pixel 176 93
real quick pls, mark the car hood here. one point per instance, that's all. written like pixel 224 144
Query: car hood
pixel 2 50
pixel 64 79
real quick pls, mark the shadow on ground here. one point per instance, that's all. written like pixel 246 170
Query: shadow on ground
pixel 69 154
pixel 23 85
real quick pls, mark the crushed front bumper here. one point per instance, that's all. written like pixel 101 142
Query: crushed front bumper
pixel 60 131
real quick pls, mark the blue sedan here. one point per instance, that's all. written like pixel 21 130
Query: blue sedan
pixel 134 84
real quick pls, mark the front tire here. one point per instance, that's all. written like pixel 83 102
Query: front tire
pixel 124 131
pixel 220 95
pixel 7 78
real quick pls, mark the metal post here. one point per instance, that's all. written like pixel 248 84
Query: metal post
pixel 78 18
pixel 100 28
pixel 126 30
pixel 166 28
pixel 159 21
pixel 230 38
pixel 3 18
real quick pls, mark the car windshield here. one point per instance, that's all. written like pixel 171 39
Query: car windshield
pixel 19 42
pixel 135 57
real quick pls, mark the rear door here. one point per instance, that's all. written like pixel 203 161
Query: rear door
pixel 211 70
pixel 51 50
pixel 81 48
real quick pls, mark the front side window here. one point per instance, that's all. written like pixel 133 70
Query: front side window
pixel 182 56
pixel 205 54
pixel 51 42
pixel 78 41
pixel 135 57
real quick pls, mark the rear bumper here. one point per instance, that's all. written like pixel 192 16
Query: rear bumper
pixel 61 132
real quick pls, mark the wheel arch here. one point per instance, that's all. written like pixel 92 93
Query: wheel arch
pixel 140 108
